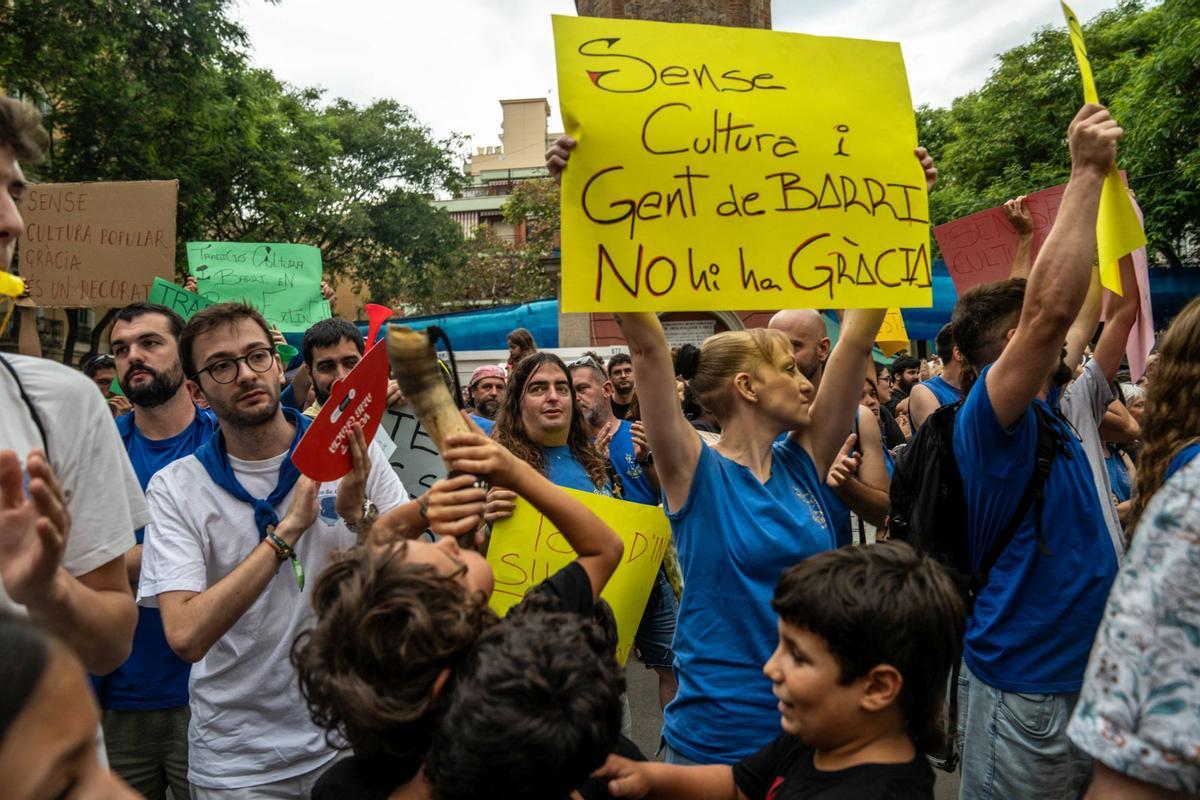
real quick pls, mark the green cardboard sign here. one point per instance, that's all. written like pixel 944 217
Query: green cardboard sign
pixel 176 298
pixel 283 281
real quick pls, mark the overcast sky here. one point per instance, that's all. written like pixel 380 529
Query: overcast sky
pixel 452 61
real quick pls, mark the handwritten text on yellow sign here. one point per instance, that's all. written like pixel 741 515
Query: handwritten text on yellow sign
pixel 723 168
pixel 526 549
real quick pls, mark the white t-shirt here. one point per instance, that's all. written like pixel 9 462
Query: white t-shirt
pixel 103 493
pixel 249 724
pixel 1083 403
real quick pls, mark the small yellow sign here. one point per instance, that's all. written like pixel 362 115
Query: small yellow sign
pixel 526 549
pixel 1118 230
pixel 892 336
pixel 722 168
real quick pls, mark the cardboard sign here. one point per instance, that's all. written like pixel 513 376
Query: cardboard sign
pixel 415 457
pixel 324 452
pixel 283 281
pixel 526 549
pixel 176 298
pixel 723 168
pixel 1118 229
pixel 980 248
pixel 90 245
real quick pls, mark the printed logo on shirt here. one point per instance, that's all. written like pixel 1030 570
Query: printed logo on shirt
pixel 814 506
pixel 632 468
pixel 327 502
pixel 773 792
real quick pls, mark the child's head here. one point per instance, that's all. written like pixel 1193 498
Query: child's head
pixel 387 533
pixel 530 713
pixel 867 637
pixel 388 634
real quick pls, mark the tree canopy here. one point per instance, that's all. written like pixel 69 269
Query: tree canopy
pixel 132 90
pixel 1009 137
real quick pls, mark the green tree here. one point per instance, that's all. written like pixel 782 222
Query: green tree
pixel 135 90
pixel 1008 137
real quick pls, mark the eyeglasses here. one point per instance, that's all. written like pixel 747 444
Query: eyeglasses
pixel 226 370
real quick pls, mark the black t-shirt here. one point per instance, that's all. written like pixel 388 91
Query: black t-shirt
pixel 620 409
pixel 784 770
pixel 568 590
pixel 365 778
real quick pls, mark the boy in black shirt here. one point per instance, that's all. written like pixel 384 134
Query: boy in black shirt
pixel 867 636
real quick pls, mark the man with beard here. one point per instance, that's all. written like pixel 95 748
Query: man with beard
pixel 906 373
pixel 331 349
pixel 1034 619
pixel 485 388
pixel 235 531
pixel 145 701
pixel 620 372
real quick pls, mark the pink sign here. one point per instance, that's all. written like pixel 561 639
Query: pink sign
pixel 980 248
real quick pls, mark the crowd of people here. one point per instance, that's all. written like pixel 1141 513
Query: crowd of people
pixel 184 614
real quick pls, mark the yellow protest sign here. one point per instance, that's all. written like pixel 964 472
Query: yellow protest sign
pixel 526 549
pixel 892 336
pixel 1118 230
pixel 723 168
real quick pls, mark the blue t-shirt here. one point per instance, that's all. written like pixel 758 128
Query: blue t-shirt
pixel 1181 460
pixel 153 677
pixel 1033 624
pixel 484 423
pixel 1118 474
pixel 564 470
pixel 634 481
pixel 736 537
pixel 287 398
pixel 944 392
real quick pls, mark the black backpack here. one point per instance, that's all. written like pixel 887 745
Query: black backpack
pixel 927 507
pixel 928 510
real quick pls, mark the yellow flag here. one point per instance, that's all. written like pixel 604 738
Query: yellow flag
pixel 526 549
pixel 1118 230
pixel 892 336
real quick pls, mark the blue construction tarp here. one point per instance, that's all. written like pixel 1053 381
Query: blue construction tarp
pixel 487 329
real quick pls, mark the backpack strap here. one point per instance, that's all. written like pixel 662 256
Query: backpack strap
pixel 1047 447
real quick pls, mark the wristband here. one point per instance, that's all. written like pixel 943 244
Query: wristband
pixel 284 552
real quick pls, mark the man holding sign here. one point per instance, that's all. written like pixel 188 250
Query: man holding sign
pixel 226 523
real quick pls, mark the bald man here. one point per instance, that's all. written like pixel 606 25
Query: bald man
pixel 806 330
pixel 866 491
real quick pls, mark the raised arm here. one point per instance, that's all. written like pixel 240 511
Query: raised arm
pixel 841 387
pixel 1059 280
pixel 1122 316
pixel 1019 217
pixel 672 439
pixel 456 507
